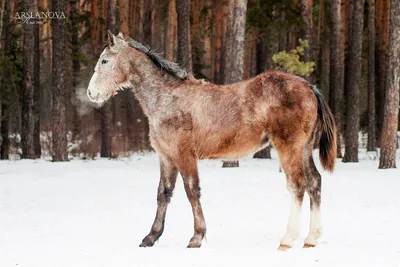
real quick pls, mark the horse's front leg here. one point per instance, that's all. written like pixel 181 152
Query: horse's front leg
pixel 188 170
pixel 168 174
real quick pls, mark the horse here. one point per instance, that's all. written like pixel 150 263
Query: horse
pixel 191 119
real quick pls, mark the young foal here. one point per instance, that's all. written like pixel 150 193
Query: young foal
pixel 191 120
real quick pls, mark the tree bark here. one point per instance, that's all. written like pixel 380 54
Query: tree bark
pixel 382 27
pixel 371 146
pixel 5 144
pixel 260 68
pixel 76 67
pixel 226 48
pixel 217 21
pixel 106 111
pixel 36 96
pixel 147 21
pixel 306 12
pixel 391 110
pixel 238 23
pixel 183 11
pixel 30 86
pixel 59 133
pixel 4 86
pixel 335 75
pixel 282 34
pixel 353 82
pixel 169 41
pixel 235 64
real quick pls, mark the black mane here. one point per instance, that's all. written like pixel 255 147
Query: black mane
pixel 171 68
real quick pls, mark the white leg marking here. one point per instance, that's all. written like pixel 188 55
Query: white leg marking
pixel 315 227
pixel 292 232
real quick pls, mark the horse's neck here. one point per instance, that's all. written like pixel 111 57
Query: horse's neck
pixel 151 93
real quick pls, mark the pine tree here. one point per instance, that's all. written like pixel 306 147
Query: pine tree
pixel 391 110
pixel 353 82
pixel 59 65
pixel 335 75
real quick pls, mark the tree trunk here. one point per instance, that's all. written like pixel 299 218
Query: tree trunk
pixel 335 76
pixel 390 121
pixel 5 44
pixel 306 12
pixel 29 86
pixel 217 21
pixel 183 11
pixel 282 34
pixel 59 65
pixel 238 23
pixel 226 48
pixel 260 68
pixel 5 144
pixel 147 21
pixel 371 146
pixel 76 67
pixel 234 68
pixel 353 82
pixel 382 27
pixel 105 110
pixel 36 96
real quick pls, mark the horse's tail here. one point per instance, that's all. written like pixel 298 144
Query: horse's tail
pixel 327 141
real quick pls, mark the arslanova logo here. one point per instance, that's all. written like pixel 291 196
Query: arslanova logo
pixel 37 17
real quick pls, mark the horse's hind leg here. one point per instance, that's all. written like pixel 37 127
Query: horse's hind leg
pixel 313 188
pixel 292 163
pixel 188 170
pixel 168 174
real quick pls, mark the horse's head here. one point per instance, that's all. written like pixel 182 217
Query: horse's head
pixel 112 71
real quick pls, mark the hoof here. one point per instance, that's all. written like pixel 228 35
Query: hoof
pixel 195 241
pixel 284 247
pixel 194 245
pixel 148 241
pixel 308 246
pixel 145 245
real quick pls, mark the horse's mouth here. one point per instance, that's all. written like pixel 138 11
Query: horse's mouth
pixel 116 91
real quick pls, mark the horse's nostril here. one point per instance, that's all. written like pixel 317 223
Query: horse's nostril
pixel 89 93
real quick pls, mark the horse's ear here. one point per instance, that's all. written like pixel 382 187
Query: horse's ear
pixel 121 35
pixel 110 37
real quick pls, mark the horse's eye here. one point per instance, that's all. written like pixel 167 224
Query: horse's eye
pixel 104 61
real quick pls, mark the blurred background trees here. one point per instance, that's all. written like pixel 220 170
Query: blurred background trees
pixel 342 46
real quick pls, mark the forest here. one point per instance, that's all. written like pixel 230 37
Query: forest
pixel 350 49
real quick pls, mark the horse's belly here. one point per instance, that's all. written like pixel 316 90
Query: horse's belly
pixel 225 148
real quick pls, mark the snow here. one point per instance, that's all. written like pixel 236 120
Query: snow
pixel 95 213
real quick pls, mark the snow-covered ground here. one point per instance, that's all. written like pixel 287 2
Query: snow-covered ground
pixel 95 213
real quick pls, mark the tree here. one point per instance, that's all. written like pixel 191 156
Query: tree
pixel 335 76
pixel 217 22
pixel 5 44
pixel 391 110
pixel 29 85
pixel 371 146
pixel 184 54
pixel 36 95
pixel 234 67
pixel 260 67
pixel 105 110
pixel 382 30
pixel 76 65
pixel 59 133
pixel 353 82
pixel 306 12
